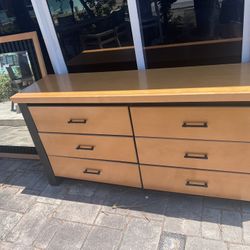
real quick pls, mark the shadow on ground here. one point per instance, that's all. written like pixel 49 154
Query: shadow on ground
pixel 27 175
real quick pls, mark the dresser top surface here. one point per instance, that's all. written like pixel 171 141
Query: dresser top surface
pixel 152 85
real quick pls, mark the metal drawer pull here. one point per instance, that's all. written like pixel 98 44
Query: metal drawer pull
pixel 196 156
pixel 85 147
pixel 194 125
pixel 78 121
pixel 197 184
pixel 92 171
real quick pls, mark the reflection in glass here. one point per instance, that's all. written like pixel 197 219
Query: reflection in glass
pixel 217 24
pixel 17 16
pixel 15 74
pixel 85 25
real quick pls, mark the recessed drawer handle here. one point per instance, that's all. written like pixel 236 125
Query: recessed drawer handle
pixel 92 171
pixel 85 147
pixel 197 184
pixel 78 121
pixel 194 125
pixel 196 156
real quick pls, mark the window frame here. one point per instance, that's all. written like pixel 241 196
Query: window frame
pixel 54 50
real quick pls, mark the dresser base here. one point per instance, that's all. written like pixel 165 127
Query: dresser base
pixel 53 180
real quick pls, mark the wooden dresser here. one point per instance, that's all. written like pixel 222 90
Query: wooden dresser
pixel 180 129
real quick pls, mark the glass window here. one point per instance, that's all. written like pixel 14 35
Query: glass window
pixel 18 69
pixel 94 35
pixel 14 17
pixel 191 32
pixel 15 74
pixel 18 16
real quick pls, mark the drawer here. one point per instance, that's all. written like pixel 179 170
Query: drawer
pixel 93 147
pixel 82 120
pixel 198 182
pixel 210 123
pixel 99 171
pixel 225 156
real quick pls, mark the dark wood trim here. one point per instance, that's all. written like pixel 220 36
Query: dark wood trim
pixel 19 156
pixel 136 150
pixel 159 56
pixel 18 152
pixel 147 104
pixel 12 149
pixel 53 180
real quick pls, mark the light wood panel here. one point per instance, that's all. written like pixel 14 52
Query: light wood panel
pixel 219 94
pixel 219 184
pixel 216 83
pixel 99 171
pixel 210 123
pixel 83 120
pixel 94 147
pixel 225 156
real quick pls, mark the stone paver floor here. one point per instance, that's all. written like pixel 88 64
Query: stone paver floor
pixel 13 131
pixel 15 136
pixel 7 114
pixel 84 215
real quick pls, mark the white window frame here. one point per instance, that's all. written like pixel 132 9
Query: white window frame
pixel 49 36
pixel 245 58
pixel 137 34
pixel 56 56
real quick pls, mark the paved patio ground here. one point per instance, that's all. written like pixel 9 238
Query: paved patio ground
pixel 13 131
pixel 15 136
pixel 7 114
pixel 84 215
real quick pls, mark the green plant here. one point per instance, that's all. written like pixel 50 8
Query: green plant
pixel 99 8
pixel 6 90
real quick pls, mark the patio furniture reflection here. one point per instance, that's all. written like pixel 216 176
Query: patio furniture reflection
pixel 69 32
pixel 19 83
pixel 150 21
pixel 107 30
pixel 7 24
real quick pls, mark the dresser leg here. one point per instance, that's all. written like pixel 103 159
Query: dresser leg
pixel 53 180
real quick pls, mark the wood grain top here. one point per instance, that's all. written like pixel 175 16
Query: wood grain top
pixel 229 82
